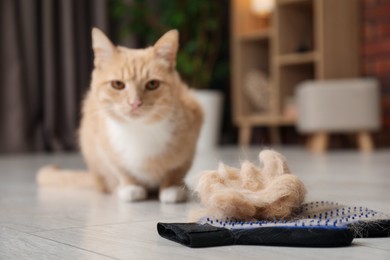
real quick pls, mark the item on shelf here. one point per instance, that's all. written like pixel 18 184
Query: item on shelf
pixel 290 109
pixel 258 90
pixel 304 48
pixel 306 43
pixel 262 8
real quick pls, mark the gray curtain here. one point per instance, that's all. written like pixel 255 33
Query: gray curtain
pixel 45 66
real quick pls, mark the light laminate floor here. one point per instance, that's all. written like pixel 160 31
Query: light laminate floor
pixel 63 224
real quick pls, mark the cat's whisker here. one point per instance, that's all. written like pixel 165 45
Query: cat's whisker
pixel 159 106
pixel 159 113
pixel 100 111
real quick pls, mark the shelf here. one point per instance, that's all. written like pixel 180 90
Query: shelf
pixel 296 58
pixel 303 40
pixel 255 35
pixel 297 18
pixel 287 2
pixel 290 78
pixel 270 120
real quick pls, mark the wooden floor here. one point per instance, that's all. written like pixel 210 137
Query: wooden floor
pixel 63 224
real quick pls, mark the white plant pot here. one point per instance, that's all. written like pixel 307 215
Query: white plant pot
pixel 211 102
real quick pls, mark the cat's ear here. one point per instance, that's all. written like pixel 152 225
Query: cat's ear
pixel 103 48
pixel 166 47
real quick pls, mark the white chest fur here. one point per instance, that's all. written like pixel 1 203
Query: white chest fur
pixel 136 142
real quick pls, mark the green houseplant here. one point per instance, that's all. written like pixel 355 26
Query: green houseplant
pixel 199 23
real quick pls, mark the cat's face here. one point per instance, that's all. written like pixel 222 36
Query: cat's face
pixel 135 83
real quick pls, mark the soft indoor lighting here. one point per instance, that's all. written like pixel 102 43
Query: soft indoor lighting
pixel 262 7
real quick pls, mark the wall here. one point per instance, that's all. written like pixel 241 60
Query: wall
pixel 376 56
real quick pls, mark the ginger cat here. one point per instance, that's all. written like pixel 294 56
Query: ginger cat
pixel 140 123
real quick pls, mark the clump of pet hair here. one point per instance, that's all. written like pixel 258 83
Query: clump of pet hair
pixel 252 192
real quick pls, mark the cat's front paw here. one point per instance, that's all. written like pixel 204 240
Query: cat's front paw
pixel 173 194
pixel 132 193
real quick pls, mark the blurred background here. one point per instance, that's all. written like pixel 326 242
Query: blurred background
pixel 312 73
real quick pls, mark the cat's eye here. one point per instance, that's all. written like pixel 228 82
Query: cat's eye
pixel 152 84
pixel 117 84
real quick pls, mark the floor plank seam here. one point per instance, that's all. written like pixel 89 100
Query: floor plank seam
pixel 59 242
pixel 98 225
pixel 80 248
pixel 374 247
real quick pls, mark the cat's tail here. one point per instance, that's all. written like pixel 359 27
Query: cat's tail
pixel 56 177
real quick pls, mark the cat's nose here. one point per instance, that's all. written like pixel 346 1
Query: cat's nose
pixel 135 104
